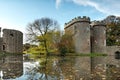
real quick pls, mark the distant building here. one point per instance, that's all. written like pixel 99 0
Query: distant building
pixel 11 41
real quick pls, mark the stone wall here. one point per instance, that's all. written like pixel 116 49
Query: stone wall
pixel 80 29
pixel 13 41
pixel 1 41
pixel 89 37
pixel 110 50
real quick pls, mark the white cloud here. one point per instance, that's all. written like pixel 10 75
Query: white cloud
pixel 89 3
pixel 107 7
pixel 58 3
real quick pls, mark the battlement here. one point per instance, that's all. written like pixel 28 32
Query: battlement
pixel 12 30
pixel 98 23
pixel 78 19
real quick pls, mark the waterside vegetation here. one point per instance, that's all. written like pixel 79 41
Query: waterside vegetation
pixel 48 39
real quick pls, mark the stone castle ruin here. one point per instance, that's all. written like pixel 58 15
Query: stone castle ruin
pixel 11 41
pixel 89 37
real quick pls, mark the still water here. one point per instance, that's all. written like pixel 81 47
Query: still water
pixel 21 67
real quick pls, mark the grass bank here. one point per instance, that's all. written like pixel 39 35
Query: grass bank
pixel 7 54
pixel 84 54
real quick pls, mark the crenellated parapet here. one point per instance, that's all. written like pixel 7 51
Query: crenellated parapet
pixel 98 23
pixel 78 19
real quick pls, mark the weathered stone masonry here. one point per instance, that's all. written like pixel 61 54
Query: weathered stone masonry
pixel 11 41
pixel 89 37
pixel 80 29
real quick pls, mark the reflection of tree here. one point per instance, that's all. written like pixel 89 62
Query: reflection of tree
pixel 106 72
pixel 49 68
pixel 52 68
pixel 33 71
pixel 105 68
pixel 58 68
pixel 113 72
pixel 70 68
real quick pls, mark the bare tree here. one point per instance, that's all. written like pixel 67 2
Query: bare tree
pixel 37 30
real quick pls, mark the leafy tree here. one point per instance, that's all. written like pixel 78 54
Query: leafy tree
pixel 113 30
pixel 113 34
pixel 38 30
pixel 53 38
pixel 66 44
pixel 26 46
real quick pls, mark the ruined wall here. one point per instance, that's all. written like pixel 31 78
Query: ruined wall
pixel 80 28
pixel 113 64
pixel 110 50
pixel 12 41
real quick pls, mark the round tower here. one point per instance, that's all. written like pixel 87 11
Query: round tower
pixel 98 37
pixel 80 29
pixel 98 43
pixel 12 41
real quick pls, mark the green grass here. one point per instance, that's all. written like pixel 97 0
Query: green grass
pixel 84 54
pixel 7 54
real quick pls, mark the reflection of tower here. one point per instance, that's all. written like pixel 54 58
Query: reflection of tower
pixel 11 66
pixel 83 66
pixel 12 41
pixel 80 28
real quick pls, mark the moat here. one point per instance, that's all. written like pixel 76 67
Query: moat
pixel 22 67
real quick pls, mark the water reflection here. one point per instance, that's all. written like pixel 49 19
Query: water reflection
pixel 60 68
pixel 77 68
pixel 105 68
pixel 82 68
pixel 11 66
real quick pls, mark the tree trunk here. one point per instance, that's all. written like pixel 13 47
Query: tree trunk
pixel 46 49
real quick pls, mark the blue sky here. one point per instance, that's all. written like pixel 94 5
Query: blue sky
pixel 16 14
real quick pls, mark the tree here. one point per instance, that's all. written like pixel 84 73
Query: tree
pixel 113 34
pixel 52 38
pixel 66 44
pixel 113 30
pixel 38 30
pixel 26 46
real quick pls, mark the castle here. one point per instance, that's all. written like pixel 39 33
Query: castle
pixel 11 41
pixel 89 37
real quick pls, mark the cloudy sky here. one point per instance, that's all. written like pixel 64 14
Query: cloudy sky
pixel 16 14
